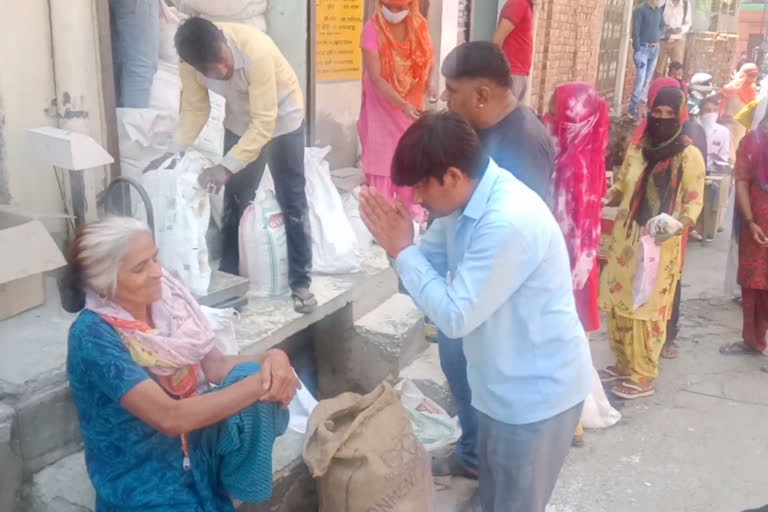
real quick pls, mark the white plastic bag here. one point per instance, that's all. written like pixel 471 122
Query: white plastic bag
pixel 663 226
pixel 143 135
pixel 210 142
pixel 170 18
pixel 300 408
pixel 263 247
pixel 222 323
pixel 646 269
pixel 181 215
pixel 431 424
pixel 351 202
pixel 334 246
pixel 165 96
pixel 597 411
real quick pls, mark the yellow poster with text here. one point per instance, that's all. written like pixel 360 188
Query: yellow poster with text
pixel 337 39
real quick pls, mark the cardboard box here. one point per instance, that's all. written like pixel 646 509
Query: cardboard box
pixel 26 252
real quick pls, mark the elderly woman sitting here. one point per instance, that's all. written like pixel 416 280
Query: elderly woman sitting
pixel 141 360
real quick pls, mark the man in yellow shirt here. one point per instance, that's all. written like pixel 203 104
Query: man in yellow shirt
pixel 264 123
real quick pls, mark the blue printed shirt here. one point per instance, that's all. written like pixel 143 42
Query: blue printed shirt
pixel 509 296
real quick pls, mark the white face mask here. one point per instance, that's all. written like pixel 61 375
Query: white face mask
pixel 709 120
pixel 393 17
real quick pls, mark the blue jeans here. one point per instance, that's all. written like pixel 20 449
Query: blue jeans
pixel 135 26
pixel 454 366
pixel 645 64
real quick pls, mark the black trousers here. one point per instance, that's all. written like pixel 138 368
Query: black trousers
pixel 285 155
pixel 672 327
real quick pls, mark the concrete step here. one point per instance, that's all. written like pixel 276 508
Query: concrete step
pixel 379 345
pixel 65 487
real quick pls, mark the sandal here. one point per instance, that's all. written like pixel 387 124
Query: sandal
pixel 670 351
pixel 764 369
pixel 450 465
pixel 740 348
pixel 612 373
pixel 630 389
pixel 304 301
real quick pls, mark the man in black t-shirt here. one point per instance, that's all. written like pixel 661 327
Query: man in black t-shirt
pixel 477 88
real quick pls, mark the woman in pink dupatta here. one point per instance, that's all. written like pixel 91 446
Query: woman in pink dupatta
pixel 579 121
pixel 398 74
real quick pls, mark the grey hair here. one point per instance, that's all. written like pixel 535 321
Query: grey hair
pixel 100 248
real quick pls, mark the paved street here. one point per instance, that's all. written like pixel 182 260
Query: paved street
pixel 700 444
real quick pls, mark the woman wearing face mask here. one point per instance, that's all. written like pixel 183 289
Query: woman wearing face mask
pixel 398 72
pixel 698 139
pixel 663 173
pixel 718 138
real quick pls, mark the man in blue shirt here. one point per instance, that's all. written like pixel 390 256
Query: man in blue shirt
pixel 508 295
pixel 477 88
pixel 647 29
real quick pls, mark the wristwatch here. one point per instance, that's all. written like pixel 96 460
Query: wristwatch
pixel 749 222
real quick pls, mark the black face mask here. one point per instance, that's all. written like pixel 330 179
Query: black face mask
pixel 661 130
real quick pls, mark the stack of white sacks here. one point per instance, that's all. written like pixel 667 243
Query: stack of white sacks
pixel 182 210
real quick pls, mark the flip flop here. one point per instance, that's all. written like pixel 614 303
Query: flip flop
pixel 304 301
pixel 611 373
pixel 634 392
pixel 737 349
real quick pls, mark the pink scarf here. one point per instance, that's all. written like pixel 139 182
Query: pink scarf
pixel 173 349
pixel 580 125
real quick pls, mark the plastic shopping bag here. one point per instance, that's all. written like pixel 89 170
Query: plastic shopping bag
pixel 222 323
pixel 646 270
pixel 182 213
pixel 431 424
pixel 301 408
pixel 597 411
pixel 335 249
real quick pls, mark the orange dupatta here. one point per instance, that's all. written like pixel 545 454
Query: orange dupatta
pixel 405 65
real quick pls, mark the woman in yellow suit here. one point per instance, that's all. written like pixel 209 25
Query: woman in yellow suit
pixel 663 173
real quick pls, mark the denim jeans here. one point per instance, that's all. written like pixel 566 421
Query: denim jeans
pixel 454 366
pixel 135 26
pixel 285 155
pixel 645 64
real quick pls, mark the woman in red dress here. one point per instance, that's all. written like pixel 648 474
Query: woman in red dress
pixel 579 122
pixel 751 172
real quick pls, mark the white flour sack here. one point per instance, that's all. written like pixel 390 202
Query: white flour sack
pixel 263 246
pixel 182 211
pixel 335 249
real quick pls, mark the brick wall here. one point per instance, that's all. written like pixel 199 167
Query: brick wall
pixel 629 78
pixel 712 53
pixel 566 46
